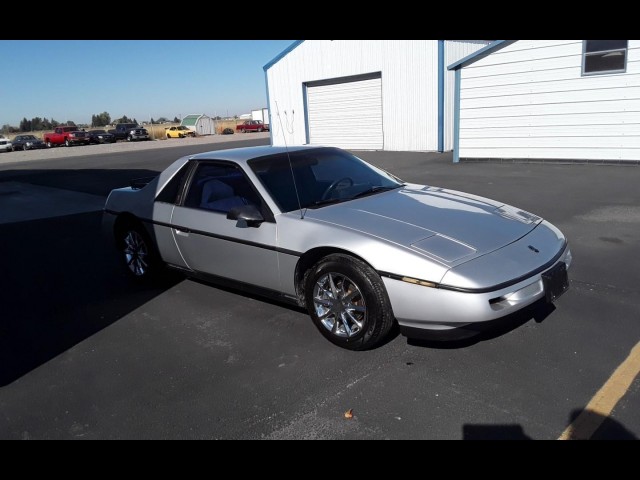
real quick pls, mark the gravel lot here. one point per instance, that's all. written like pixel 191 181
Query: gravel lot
pixel 120 147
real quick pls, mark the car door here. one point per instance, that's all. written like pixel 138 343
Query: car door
pixel 212 244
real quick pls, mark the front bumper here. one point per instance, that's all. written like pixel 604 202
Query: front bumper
pixel 439 310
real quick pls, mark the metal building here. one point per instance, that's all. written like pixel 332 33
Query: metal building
pixel 365 94
pixel 201 124
pixel 548 100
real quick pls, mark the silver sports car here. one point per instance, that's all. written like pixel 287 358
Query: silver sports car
pixel 356 246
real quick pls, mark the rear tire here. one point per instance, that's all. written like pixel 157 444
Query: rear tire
pixel 49 145
pixel 348 303
pixel 138 253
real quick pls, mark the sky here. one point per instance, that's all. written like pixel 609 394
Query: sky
pixel 74 79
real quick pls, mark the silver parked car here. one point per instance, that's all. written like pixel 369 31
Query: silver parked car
pixel 353 244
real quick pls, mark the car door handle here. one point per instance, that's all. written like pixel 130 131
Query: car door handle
pixel 182 233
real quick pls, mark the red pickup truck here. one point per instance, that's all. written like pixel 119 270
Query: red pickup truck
pixel 66 135
pixel 252 126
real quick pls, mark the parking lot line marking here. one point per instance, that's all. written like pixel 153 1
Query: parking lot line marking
pixel 604 401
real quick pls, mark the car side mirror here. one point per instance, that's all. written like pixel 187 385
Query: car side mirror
pixel 246 216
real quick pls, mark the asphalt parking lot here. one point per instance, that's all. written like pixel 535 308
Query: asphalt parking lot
pixel 87 354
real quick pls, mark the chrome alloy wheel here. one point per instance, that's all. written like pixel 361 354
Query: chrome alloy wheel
pixel 135 253
pixel 339 305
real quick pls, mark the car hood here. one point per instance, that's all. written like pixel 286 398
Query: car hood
pixel 451 227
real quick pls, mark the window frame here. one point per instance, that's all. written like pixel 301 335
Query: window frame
pixel 194 164
pixel 603 72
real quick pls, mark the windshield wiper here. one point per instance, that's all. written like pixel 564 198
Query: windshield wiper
pixel 369 191
pixel 376 189
pixel 327 201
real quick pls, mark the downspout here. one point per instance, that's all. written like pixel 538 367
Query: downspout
pixel 440 96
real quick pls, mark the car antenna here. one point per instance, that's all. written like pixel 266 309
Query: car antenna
pixel 295 186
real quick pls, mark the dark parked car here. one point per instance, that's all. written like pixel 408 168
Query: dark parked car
pixel 101 136
pixel 136 134
pixel 27 142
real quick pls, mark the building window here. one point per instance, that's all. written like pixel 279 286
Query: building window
pixel 604 56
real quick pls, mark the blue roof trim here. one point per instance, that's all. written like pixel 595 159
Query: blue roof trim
pixel 479 54
pixel 277 58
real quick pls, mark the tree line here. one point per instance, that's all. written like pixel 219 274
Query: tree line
pixel 99 120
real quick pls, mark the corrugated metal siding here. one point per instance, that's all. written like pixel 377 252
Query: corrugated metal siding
pixel 409 87
pixel 454 50
pixel 346 115
pixel 530 100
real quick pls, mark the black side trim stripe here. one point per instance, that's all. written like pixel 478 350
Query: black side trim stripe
pixel 499 286
pixel 224 237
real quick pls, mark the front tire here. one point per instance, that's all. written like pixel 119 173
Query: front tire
pixel 49 145
pixel 129 138
pixel 348 302
pixel 67 143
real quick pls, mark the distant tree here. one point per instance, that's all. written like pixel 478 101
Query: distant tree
pixel 235 117
pixel 71 123
pixel 135 121
pixel 105 118
pixel 217 117
pixel 152 121
pixel 101 120
pixel 162 120
pixel 6 128
pixel 176 120
pixel 25 125
pixel 124 119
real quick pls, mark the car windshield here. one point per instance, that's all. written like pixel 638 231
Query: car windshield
pixel 323 176
pixel 28 137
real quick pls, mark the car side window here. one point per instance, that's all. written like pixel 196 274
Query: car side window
pixel 220 188
pixel 169 193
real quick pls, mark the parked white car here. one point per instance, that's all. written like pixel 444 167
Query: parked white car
pixel 5 144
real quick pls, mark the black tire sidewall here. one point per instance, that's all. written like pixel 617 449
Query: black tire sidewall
pixel 153 258
pixel 374 294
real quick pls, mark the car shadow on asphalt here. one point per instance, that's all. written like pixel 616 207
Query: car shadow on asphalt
pixel 537 311
pixel 62 282
pixel 255 294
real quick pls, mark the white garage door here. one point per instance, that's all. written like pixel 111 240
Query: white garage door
pixel 346 115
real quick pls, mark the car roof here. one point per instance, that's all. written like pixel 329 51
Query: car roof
pixel 244 154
